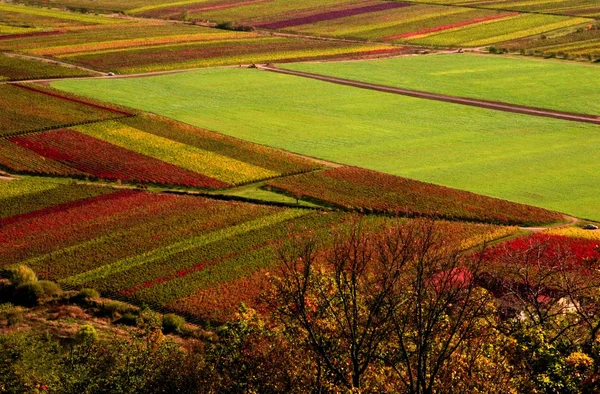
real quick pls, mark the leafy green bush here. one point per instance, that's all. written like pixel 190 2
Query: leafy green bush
pixel 86 333
pixel 14 317
pixel 51 289
pixel 86 295
pixel 12 314
pixel 6 290
pixel 128 319
pixel 232 26
pixel 31 293
pixel 149 320
pixel 89 293
pixel 28 294
pixel 115 309
pixel 172 323
pixel 19 275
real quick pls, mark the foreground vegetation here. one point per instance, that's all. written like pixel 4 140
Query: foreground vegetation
pixel 187 254
pixel 399 311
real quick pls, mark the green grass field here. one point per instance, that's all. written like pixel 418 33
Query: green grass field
pixel 539 161
pixel 546 84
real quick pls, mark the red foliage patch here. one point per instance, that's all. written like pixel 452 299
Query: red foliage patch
pixel 64 207
pixel 548 248
pixel 70 224
pixel 106 161
pixel 453 279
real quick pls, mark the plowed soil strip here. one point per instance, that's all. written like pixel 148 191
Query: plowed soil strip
pixel 495 105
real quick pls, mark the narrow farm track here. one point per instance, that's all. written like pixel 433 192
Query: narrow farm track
pixel 570 221
pixel 494 105
pixel 47 81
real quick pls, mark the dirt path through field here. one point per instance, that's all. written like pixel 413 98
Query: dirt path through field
pixel 570 221
pixel 494 105
pixel 5 177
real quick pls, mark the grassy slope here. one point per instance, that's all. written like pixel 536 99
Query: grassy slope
pixel 533 160
pixel 546 84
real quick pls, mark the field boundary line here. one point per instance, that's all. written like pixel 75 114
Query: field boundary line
pixel 473 102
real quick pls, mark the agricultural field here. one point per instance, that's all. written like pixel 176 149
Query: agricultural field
pixel 34 194
pixel 20 160
pixel 167 251
pixel 443 26
pixel 358 189
pixel 579 44
pixel 495 31
pixel 526 159
pixel 282 185
pixel 390 21
pixel 100 6
pixel 457 24
pixel 559 86
pixel 574 232
pixel 24 108
pixel 20 21
pixel 146 150
pixel 158 46
pixel 589 8
pixel 243 49
pixel 13 68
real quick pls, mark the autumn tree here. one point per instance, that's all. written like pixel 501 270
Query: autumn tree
pixel 551 301
pixel 383 306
